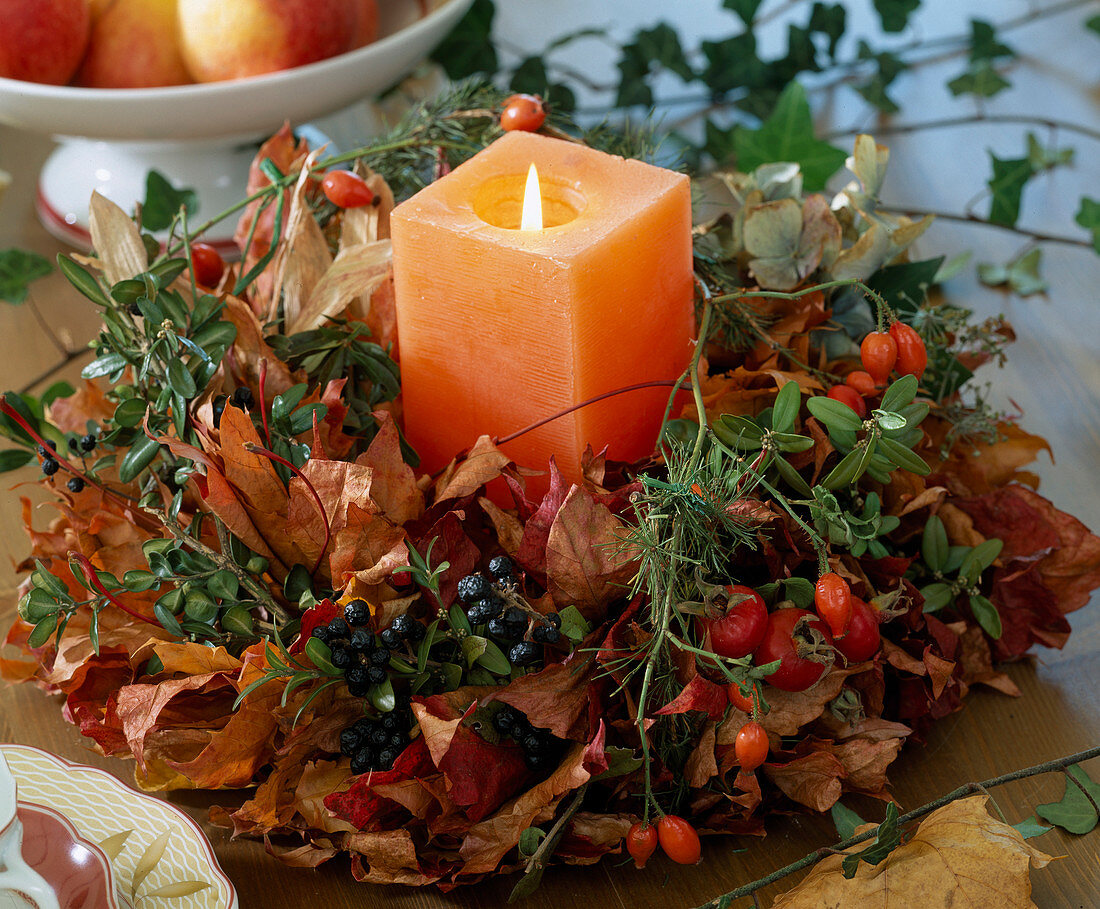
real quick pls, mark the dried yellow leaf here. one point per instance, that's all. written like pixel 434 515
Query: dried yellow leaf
pixel 116 239
pixel 959 856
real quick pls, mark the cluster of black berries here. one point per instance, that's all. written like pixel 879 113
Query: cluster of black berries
pixel 242 399
pixel 485 605
pixel 355 650
pixel 541 749
pixel 50 464
pixel 375 744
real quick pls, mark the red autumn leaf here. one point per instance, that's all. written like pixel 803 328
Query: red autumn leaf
pixel 531 554
pixel 556 697
pixel 1028 609
pixel 451 545
pixel 698 694
pixel 588 560
pixel 361 806
pixel 481 775
pixel 393 484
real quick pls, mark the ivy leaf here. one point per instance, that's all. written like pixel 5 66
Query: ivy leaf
pixel 18 268
pixel 905 286
pixel 1031 827
pixel 1010 175
pixel 845 820
pixel 895 13
pixel 984 44
pixel 661 45
pixel 829 20
pixel 888 839
pixel 1088 216
pixel 1021 275
pixel 1043 158
pixel 889 67
pixel 788 135
pixel 746 9
pixel 981 80
pixel 719 142
pixel 163 201
pixel 469 49
pixel 1093 22
pixel 1073 813
pixel 733 63
pixel 801 54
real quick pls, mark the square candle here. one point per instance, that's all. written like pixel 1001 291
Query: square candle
pixel 501 327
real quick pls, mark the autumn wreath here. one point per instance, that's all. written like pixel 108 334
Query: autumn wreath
pixel 249 584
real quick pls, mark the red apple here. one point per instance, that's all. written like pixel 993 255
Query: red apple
pixel 134 44
pixel 366 29
pixel 233 40
pixel 42 40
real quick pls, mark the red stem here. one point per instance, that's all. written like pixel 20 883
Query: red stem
pixel 279 459
pixel 88 570
pixel 117 498
pixel 660 383
pixel 262 391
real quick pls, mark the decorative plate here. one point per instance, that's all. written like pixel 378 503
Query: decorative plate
pixel 155 849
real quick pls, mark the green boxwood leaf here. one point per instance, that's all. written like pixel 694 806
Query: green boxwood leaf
pixel 834 414
pixel 904 458
pixel 180 378
pixel 320 655
pixel 792 477
pixel 14 458
pixel 494 659
pixel 82 279
pixel 786 406
pixel 900 394
pixel 937 596
pixel 103 366
pixel 237 620
pixel 141 455
pixel 786 441
pixel 934 544
pixel 980 558
pixel 986 615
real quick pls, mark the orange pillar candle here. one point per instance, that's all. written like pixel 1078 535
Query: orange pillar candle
pixel 501 327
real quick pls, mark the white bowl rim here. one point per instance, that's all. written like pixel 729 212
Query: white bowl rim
pixel 197 90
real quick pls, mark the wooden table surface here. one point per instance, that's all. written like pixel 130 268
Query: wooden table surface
pixel 1053 374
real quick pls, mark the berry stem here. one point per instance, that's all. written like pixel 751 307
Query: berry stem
pixel 108 493
pixel 87 569
pixel 262 392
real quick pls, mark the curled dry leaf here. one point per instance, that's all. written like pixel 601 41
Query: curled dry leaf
pixel 959 856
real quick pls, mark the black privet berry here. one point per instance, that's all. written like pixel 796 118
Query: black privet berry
pixel 498 629
pixel 386 757
pixel 219 409
pixel 75 484
pixel 48 450
pixel 416 631
pixel 242 398
pixel 359 689
pixel 380 657
pixel 88 442
pixel 524 653
pixel 342 658
pixel 403 625
pixel 516 621
pixel 504 719
pixel 391 638
pixel 376 675
pixel 473 587
pixel 501 568
pixel 479 613
pixel 398 741
pixel 356 675
pixel 364 760
pixel 391 721
pixel 361 641
pixel 350 741
pixel 378 736
pixel 357 612
pixel 537 761
pixel 338 628
pixel 73 446
pixel 545 634
pixel 50 467
pixel 321 633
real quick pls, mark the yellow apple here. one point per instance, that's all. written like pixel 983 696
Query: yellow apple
pixel 42 40
pixel 233 39
pixel 134 44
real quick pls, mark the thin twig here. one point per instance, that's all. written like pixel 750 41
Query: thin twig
pixel 894 129
pixel 1035 235
pixel 968 789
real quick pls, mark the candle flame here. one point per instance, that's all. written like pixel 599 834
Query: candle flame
pixel 532 202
